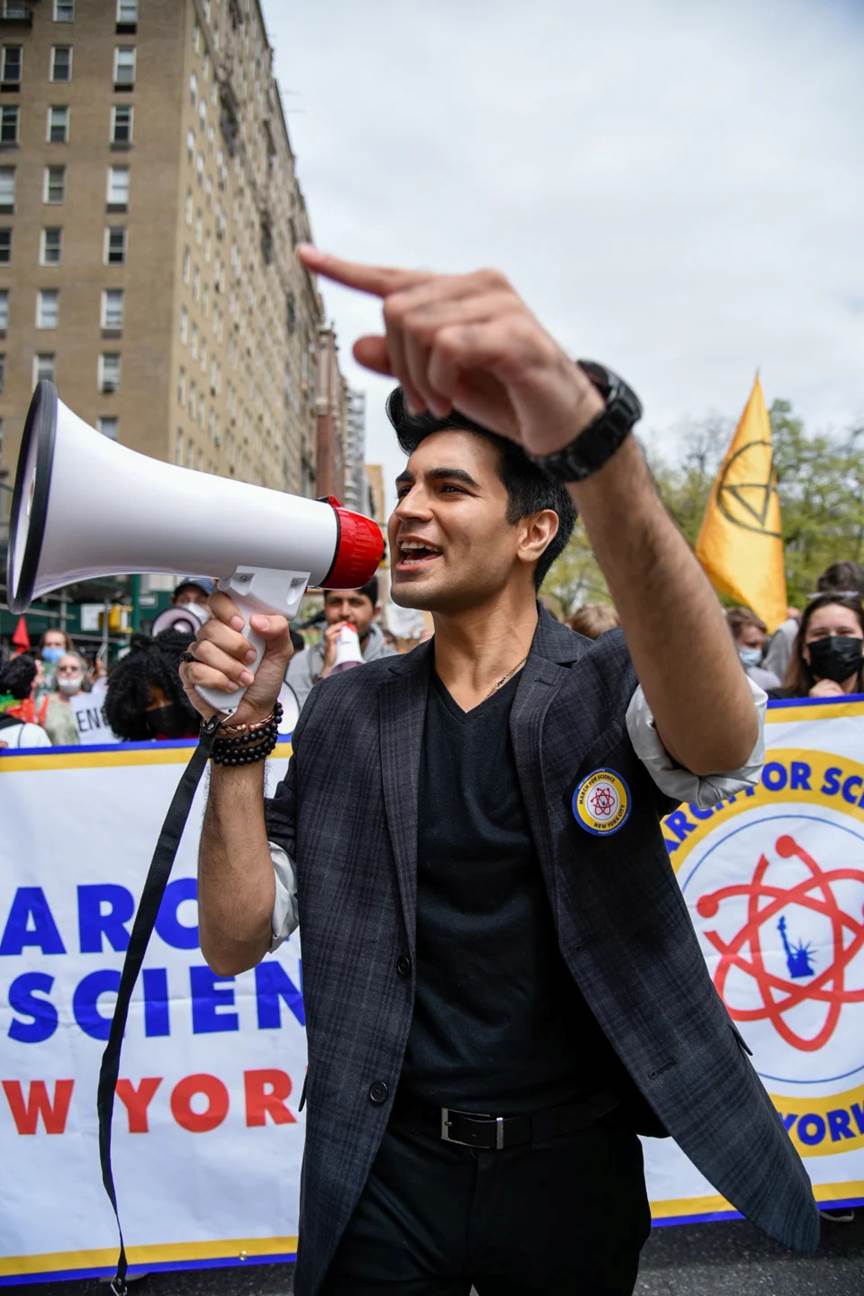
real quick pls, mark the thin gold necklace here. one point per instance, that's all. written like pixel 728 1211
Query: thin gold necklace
pixel 504 678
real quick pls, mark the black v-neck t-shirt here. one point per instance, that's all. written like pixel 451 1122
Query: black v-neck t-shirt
pixel 499 1023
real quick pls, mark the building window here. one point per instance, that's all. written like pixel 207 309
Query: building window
pixel 124 67
pixel 181 387
pixel 4 309
pixel 43 367
pixel 47 308
pixel 118 186
pixel 127 15
pixel 115 245
pixel 121 124
pixel 112 308
pixel 109 371
pixel 5 246
pixel 193 88
pixel 10 74
pixel 2 371
pixel 7 189
pixel 54 184
pixel 9 123
pixel 64 10
pixel 109 426
pixel 52 246
pixel 61 63
pixel 58 124
pixel 194 342
pixel 184 325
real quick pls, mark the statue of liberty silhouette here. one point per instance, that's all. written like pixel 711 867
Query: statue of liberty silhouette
pixel 798 958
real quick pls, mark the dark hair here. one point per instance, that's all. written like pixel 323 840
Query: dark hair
pixel 740 617
pixel 528 489
pixel 369 591
pixel 17 676
pixel 148 662
pixel 799 675
pixel 844 577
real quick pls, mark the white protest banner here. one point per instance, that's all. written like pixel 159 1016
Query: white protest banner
pixel 207 1137
pixel 93 728
pixel 774 880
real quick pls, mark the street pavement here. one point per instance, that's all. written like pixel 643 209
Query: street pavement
pixel 731 1259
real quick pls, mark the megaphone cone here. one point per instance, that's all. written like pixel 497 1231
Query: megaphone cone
pixel 84 506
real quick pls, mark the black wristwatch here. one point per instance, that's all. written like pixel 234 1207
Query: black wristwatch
pixel 601 438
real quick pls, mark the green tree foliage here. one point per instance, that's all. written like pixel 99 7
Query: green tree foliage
pixel 821 487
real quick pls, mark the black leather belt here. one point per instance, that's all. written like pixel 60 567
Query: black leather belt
pixel 494 1133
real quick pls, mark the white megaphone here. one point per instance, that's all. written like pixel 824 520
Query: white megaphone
pixel 84 506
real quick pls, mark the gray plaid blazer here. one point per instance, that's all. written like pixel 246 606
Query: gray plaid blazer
pixel 346 814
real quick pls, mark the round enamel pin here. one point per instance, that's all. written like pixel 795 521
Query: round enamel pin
pixel 601 802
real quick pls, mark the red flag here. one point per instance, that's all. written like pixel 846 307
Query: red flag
pixel 21 638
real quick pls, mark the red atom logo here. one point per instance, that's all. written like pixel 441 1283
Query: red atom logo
pixel 602 801
pixel 779 994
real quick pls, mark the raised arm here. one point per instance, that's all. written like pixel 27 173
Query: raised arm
pixel 236 887
pixel 675 628
pixel 469 342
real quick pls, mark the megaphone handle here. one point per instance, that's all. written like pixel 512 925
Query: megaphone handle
pixel 253 590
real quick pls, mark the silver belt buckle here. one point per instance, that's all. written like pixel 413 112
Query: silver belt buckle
pixel 448 1138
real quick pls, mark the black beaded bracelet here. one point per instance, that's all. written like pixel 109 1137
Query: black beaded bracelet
pixel 254 744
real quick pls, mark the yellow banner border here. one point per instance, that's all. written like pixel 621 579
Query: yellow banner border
pixel 124 755
pixel 239 1249
pixel 675 1208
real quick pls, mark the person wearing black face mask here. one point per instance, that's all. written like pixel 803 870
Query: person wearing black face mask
pixel 828 653
pixel 145 699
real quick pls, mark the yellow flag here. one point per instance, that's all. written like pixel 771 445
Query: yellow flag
pixel 740 545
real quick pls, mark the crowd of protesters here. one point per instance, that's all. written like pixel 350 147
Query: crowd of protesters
pixel 816 652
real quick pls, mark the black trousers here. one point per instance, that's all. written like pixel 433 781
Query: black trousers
pixel 566 1216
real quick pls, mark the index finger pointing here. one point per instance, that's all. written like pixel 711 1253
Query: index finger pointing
pixel 378 280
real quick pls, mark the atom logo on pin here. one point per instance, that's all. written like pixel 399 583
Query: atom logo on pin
pixel 601 802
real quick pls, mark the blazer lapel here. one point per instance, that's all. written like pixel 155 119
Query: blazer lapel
pixel 401 716
pixel 553 649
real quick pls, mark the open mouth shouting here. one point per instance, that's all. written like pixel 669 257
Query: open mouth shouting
pixel 415 554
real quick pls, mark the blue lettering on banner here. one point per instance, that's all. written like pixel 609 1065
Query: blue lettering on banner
pixel 272 984
pixel 831 782
pixel 208 998
pixel 680 824
pixel 157 1011
pixel 85 1002
pixel 25 999
pixel 811 1129
pixel 30 922
pixel 775 776
pixel 168 924
pixel 104 909
pixel 836 1124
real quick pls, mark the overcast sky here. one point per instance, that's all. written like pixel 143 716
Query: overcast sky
pixel 675 187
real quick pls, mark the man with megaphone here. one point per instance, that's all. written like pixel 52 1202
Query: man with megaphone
pixel 502 984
